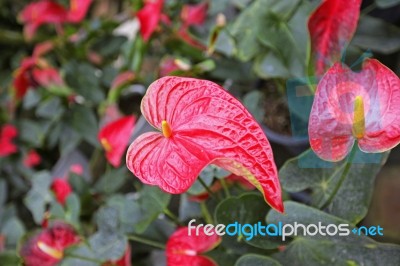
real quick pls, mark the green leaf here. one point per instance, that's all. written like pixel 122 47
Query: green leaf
pixel 129 212
pixel 84 122
pixel 109 45
pixel 252 259
pixel 352 199
pixel 111 181
pixel 83 80
pixel 269 65
pixel 33 133
pixel 249 26
pixel 69 139
pixel 377 35
pixel 31 99
pixel 207 175
pixel 38 196
pixel 248 208
pixel 51 108
pixel 3 193
pixel 254 102
pixel 73 209
pixel 329 250
pixel 13 229
pixel 386 3
pixel 152 202
pixel 81 255
pixel 9 258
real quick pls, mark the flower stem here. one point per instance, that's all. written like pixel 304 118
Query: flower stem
pixel 146 241
pixel 225 186
pixel 342 177
pixel 206 213
pixel 173 217
pixel 206 187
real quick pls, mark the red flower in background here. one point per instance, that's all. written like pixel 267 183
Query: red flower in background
pixel 47 247
pixel 351 106
pixel 183 249
pixel 62 189
pixel 331 27
pixel 42 12
pixel 32 158
pixel 192 15
pixel 149 17
pixel 167 66
pixel 77 10
pixel 200 124
pixel 114 137
pixel 35 71
pixel 7 133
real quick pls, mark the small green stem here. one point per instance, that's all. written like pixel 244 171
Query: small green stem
pixel 146 241
pixel 368 9
pixel 206 213
pixel 206 187
pixel 225 186
pixel 342 177
pixel 173 217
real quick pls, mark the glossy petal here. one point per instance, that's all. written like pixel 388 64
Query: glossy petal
pixel 32 159
pixel 149 17
pixel 194 14
pixel 331 118
pixel 183 249
pixel 208 126
pixel 62 189
pixel 7 133
pixel 331 27
pixel 77 10
pixel 115 138
pixel 45 248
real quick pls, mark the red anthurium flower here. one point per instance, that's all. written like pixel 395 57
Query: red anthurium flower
pixel 62 189
pixel 47 247
pixel 149 17
pixel 122 79
pixel 351 106
pixel 77 10
pixel 32 158
pixel 7 133
pixel 183 249
pixel 41 12
pixel 200 124
pixel 34 72
pixel 114 137
pixel 194 14
pixel 167 66
pixel 331 28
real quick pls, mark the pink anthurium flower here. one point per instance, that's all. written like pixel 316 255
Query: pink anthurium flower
pixel 200 124
pixel 331 29
pixel 351 106
pixel 185 249
pixel 32 158
pixel 47 247
pixel 7 133
pixel 114 137
pixel 149 17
